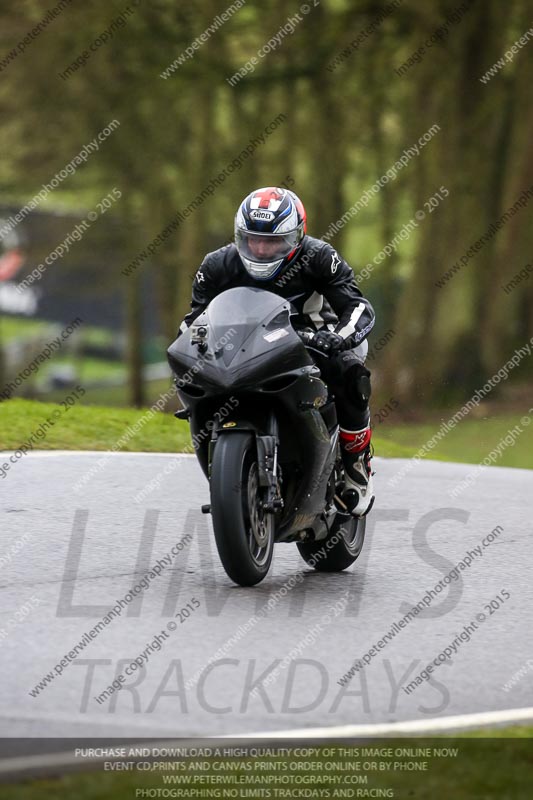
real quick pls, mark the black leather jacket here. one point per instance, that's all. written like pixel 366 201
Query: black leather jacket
pixel 319 283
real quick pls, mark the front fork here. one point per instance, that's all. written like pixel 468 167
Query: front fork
pixel 267 461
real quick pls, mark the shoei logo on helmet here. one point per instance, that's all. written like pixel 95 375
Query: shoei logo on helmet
pixel 267 216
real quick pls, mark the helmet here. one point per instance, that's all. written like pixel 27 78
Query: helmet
pixel 269 227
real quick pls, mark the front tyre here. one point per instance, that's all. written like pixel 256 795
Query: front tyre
pixel 340 548
pixel 244 532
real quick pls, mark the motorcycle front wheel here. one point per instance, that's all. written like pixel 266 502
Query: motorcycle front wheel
pixel 244 532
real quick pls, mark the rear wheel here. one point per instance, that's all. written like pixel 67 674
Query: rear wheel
pixel 244 532
pixel 340 548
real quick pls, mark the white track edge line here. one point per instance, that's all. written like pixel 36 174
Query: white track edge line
pixel 101 453
pixel 436 724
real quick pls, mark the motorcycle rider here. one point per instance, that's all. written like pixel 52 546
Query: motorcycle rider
pixel 273 251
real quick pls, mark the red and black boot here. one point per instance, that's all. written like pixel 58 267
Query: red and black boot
pixel 356 454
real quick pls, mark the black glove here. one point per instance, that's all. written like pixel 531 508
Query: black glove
pixel 327 342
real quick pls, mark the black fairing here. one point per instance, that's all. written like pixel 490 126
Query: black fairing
pixel 238 354
pixel 253 355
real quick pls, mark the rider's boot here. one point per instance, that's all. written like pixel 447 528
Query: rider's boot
pixel 358 494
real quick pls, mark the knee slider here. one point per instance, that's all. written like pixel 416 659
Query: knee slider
pixel 363 387
pixel 360 383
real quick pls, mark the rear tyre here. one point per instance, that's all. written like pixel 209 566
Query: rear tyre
pixel 244 533
pixel 340 548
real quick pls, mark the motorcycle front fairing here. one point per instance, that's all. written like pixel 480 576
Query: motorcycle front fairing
pixel 243 344
pixel 248 336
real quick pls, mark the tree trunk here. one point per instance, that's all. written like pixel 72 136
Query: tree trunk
pixel 135 339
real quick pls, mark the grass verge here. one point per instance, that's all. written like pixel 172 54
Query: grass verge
pixel 472 440
pixel 89 428
pixel 84 427
pixel 99 428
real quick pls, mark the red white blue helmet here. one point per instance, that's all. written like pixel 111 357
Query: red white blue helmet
pixel 269 227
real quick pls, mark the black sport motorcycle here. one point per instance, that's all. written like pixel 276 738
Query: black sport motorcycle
pixel 265 433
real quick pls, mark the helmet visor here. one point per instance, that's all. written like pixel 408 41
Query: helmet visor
pixel 265 248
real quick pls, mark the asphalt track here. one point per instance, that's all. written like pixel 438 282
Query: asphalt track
pixel 77 552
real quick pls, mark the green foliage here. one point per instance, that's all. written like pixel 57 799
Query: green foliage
pixel 349 115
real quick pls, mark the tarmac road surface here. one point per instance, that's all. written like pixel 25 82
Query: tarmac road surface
pixel 203 644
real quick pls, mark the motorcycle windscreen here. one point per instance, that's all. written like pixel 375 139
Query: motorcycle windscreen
pixel 248 320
